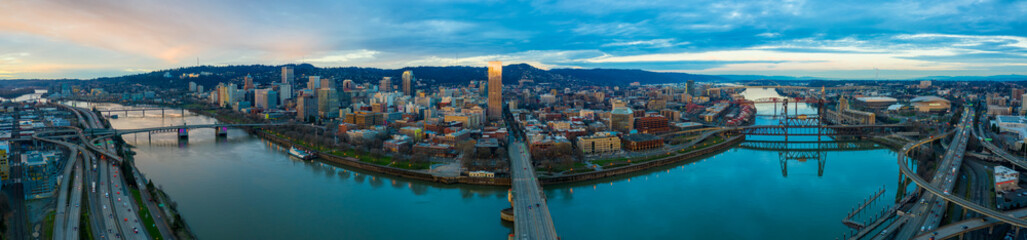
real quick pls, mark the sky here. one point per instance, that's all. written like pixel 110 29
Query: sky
pixel 829 39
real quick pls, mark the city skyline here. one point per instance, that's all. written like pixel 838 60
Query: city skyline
pixel 792 38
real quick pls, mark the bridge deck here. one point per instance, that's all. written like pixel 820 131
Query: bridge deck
pixel 531 213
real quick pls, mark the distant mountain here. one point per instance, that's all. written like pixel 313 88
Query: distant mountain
pixel 512 74
pixel 1011 77
pixel 761 77
pixel 601 76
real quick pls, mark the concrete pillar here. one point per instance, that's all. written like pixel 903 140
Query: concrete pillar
pixel 221 131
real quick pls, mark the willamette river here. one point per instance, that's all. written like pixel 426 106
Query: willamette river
pixel 245 188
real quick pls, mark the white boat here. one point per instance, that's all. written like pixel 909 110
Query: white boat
pixel 305 155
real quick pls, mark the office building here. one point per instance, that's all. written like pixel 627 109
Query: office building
pixel 495 102
pixel 327 103
pixel 385 85
pixel 599 143
pixel 408 78
pixel 39 174
pixel 248 82
pixel 306 108
pixel 287 75
pixel 622 119
pixel 314 82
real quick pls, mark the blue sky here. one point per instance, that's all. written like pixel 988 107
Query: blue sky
pixel 832 39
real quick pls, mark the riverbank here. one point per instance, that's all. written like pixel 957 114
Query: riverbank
pixel 424 176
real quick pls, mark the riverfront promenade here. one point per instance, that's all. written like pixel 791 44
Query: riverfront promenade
pixel 531 214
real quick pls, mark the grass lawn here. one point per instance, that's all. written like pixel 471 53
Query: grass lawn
pixel 411 166
pixel 48 225
pixel 85 230
pixel 144 213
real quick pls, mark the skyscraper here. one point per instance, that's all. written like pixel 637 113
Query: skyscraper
pixel 690 87
pixel 314 82
pixel 495 90
pixel 248 82
pixel 385 85
pixel 408 76
pixel 287 75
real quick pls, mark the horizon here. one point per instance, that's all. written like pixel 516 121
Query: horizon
pixel 794 38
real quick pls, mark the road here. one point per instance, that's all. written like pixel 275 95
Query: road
pixel 531 213
pixel 955 229
pixel 928 212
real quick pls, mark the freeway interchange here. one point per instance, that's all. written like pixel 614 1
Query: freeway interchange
pixel 113 210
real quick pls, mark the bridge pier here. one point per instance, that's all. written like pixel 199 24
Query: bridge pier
pixel 221 132
pixel 183 133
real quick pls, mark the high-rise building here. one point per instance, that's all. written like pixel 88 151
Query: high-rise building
pixel 495 111
pixel 408 77
pixel 327 103
pixel 327 83
pixel 348 85
pixel 287 75
pixel 248 82
pixel 192 86
pixel 265 98
pixel 314 82
pixel 284 92
pixel 306 108
pixel 385 85
pixel 690 87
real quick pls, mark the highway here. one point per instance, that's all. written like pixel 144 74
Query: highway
pixel 531 213
pixel 958 228
pixel 981 134
pixel 928 212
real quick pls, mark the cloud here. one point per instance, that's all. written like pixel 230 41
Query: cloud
pixel 656 43
pixel 61 38
pixel 342 57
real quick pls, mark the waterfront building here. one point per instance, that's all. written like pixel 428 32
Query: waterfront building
pixel 652 123
pixel 641 141
pixel 287 75
pixel 495 86
pixel 598 143
pixel 481 174
pixel 398 143
pixel 306 108
pixel 39 174
pixel 408 78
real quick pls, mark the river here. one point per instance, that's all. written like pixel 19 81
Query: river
pixel 245 188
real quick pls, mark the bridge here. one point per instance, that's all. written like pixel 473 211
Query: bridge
pixel 840 88
pixel 111 112
pixel 221 129
pixel 531 212
pixel 808 146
